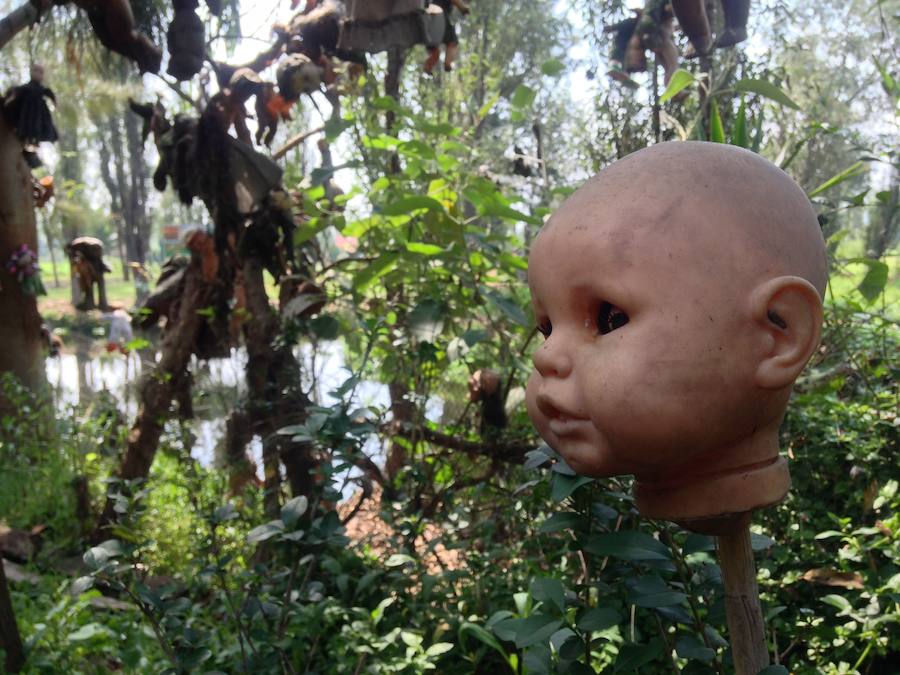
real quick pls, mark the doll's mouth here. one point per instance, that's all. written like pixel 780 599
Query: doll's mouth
pixel 564 425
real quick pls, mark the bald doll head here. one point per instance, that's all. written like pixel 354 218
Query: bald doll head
pixel 679 293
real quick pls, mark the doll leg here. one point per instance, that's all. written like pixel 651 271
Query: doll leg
pixel 736 14
pixel 450 52
pixel 692 18
pixel 434 55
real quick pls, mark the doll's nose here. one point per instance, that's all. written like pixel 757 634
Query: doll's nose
pixel 552 360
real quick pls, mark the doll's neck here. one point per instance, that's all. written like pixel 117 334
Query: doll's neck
pixel 712 490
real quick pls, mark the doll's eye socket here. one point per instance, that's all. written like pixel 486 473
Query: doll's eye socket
pixel 610 318
pixel 545 328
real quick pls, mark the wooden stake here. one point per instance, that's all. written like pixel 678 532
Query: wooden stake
pixel 745 621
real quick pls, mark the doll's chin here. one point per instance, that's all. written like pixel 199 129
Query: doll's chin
pixel 590 460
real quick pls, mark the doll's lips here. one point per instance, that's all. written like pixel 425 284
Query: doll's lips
pixel 563 425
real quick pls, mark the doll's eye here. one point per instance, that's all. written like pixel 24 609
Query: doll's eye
pixel 610 318
pixel 545 328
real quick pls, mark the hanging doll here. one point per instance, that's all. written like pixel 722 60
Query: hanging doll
pixel 450 40
pixel 650 29
pixel 187 41
pixel 27 112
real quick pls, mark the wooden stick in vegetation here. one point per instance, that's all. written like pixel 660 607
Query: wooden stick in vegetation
pixel 742 608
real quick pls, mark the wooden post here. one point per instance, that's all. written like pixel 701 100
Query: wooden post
pixel 746 630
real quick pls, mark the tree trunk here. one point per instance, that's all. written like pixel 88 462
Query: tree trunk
pixel 10 639
pixel 115 192
pixel 20 323
pixel 118 157
pixel 137 204
pixel 161 386
pixel 275 397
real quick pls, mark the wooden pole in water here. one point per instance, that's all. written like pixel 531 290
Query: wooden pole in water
pixel 746 630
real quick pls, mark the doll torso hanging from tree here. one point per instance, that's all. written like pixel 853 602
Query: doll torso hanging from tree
pixel 28 113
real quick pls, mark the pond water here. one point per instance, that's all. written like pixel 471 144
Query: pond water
pixel 79 376
pixel 85 370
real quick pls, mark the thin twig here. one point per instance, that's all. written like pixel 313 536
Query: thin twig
pixel 295 141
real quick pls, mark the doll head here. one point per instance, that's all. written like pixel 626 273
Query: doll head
pixel 679 292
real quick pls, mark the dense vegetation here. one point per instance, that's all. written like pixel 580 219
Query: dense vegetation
pixel 427 539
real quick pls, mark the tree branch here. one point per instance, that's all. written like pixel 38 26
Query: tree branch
pixel 16 21
pixel 507 451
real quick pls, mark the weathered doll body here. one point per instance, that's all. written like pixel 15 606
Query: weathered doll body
pixel 680 295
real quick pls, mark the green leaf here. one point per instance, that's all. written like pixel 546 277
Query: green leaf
pixel 536 628
pixel 633 656
pixel 523 96
pixel 424 249
pixel 651 591
pixel 572 648
pixel 765 88
pixel 839 602
pixel 514 261
pixel 568 520
pixel 739 133
pixel 376 269
pixel 758 132
pixel 839 178
pixel 88 631
pixel 378 612
pixel 716 130
pixel 679 81
pixel 552 67
pixel 549 591
pixel 890 85
pixel 760 542
pixel 508 307
pixel 597 619
pixel 875 281
pixel 291 512
pixel 486 108
pixel 325 327
pixel 690 647
pixel 438 648
pixel 563 485
pixel 698 542
pixel 82 585
pixel 398 559
pixel 409 204
pixel 627 545
pixel 387 103
pixel 264 532
pixel 483 636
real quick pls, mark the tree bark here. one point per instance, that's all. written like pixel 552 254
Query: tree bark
pixel 115 193
pixel 137 204
pixel 20 322
pixel 275 397
pixel 16 21
pixel 10 639
pixel 118 156
pixel 160 387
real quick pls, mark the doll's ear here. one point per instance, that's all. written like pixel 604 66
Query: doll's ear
pixel 789 311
